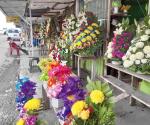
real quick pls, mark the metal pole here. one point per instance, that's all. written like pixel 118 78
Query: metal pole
pixel 31 29
pixel 149 8
pixel 77 7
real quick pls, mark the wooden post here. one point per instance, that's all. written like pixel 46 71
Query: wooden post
pixel 78 67
pixel 77 8
pixel 108 18
pixel 134 84
pixel 149 8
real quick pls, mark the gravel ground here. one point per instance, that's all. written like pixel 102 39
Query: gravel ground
pixel 8 72
pixel 7 94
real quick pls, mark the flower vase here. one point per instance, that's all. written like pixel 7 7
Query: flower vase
pixel 116 10
pixel 117 63
pixel 57 103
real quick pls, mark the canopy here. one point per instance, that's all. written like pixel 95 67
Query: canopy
pixel 48 7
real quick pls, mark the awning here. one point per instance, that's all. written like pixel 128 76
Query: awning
pixel 48 7
pixel 7 6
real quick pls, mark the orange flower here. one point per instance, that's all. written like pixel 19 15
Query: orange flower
pixel 51 81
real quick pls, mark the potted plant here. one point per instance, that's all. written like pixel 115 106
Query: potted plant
pixel 116 4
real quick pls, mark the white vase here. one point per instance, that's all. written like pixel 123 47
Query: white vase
pixel 57 103
pixel 116 10
pixel 116 63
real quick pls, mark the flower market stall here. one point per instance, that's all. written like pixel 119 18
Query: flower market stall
pixel 93 36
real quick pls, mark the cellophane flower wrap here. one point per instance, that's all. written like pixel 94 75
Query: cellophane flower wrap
pixel 71 92
pixel 29 112
pixel 97 108
pixel 87 37
pixel 120 42
pixel 25 91
pixel 58 75
pixel 137 57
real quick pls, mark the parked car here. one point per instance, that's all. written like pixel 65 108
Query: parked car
pixel 14 34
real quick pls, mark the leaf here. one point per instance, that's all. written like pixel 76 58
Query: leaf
pixel 109 94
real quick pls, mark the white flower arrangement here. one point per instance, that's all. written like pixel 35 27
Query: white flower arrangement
pixel 146 49
pixel 144 38
pixel 144 61
pixel 139 55
pixel 133 57
pixel 147 31
pixel 134 49
pixel 139 51
pixel 127 63
pixel 139 45
pixel 137 62
pixel 109 50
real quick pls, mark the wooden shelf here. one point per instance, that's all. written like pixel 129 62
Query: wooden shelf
pixel 119 15
pixel 120 68
pixel 125 88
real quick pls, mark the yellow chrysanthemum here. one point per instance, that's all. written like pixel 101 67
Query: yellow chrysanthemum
pixel 78 43
pixel 33 104
pixel 77 107
pixel 97 32
pixel 20 122
pixel 90 28
pixel 87 31
pixel 95 24
pixel 82 34
pixel 89 38
pixel 97 96
pixel 93 35
pixel 84 115
pixel 78 37
pixel 83 40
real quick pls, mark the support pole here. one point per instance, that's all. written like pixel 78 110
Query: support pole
pixel 149 8
pixel 77 8
pixel 31 29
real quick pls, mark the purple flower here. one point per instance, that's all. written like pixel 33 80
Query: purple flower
pixel 72 91
pixel 31 120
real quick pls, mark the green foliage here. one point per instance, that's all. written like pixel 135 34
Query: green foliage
pixel 116 3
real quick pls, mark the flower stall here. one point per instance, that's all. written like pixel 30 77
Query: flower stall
pixel 80 40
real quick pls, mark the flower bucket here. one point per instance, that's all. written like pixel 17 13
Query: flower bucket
pixel 116 10
pixel 117 63
pixel 57 103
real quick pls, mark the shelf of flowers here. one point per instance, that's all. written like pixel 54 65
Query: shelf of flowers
pixel 131 54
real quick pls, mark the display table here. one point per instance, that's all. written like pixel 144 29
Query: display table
pixel 130 88
pixel 79 58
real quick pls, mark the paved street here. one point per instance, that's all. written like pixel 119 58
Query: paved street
pixel 8 73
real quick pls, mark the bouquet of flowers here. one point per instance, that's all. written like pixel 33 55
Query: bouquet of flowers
pixel 137 57
pixel 43 64
pixel 28 115
pixel 97 108
pixel 71 92
pixel 25 91
pixel 120 43
pixel 87 35
pixel 58 75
